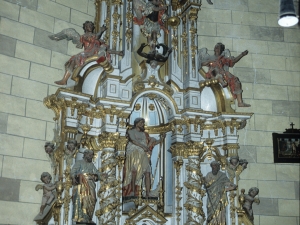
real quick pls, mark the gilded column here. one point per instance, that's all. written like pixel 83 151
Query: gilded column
pixel 120 157
pixel 109 186
pixel 193 185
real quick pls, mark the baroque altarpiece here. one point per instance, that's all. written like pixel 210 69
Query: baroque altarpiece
pixel 141 60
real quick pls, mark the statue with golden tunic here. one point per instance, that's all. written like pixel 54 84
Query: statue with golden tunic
pixel 137 163
pixel 217 184
pixel 84 175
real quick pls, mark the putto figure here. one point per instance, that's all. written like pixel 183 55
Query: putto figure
pixel 70 151
pixel 249 199
pixel 137 163
pixel 50 150
pixel 218 67
pixel 48 189
pixel 235 166
pixel 217 184
pixel 89 41
pixel 84 176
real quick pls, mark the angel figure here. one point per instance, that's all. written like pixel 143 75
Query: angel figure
pixel 70 151
pixel 235 167
pixel 151 17
pixel 50 149
pixel 48 189
pixel 89 41
pixel 218 67
pixel 249 199
pixel 154 56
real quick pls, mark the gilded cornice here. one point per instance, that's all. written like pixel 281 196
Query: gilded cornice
pixel 121 143
pixel 108 140
pixel 56 104
pixel 186 150
pixel 234 146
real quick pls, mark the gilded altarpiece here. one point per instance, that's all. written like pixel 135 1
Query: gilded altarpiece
pixel 162 82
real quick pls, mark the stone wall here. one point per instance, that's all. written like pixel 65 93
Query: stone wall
pixel 270 75
pixel 30 62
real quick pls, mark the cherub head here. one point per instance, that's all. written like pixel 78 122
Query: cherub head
pixel 46 177
pixel 49 147
pixel 153 64
pixel 253 191
pixel 234 160
pixel 219 48
pixel 88 26
pixel 71 145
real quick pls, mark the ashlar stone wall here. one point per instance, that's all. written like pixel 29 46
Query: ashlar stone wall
pixel 29 64
pixel 270 75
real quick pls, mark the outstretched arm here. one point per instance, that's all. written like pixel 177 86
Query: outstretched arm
pixel 162 137
pixel 235 60
pixel 230 186
pixel 140 51
pixel 102 30
pixel 49 188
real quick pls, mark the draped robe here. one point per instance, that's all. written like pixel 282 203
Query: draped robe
pixel 84 194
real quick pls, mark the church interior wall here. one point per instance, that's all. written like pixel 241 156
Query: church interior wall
pixel 30 62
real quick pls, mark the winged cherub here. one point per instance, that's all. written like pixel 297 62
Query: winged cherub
pixel 151 17
pixel 218 67
pixel 89 41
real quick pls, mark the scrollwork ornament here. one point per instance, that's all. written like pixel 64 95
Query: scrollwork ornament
pixel 108 140
pixel 56 104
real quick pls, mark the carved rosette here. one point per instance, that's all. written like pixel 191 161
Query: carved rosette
pixel 109 186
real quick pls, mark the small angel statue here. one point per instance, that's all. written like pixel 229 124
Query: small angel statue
pixel 91 43
pixel 218 67
pixel 151 17
pixel 71 151
pixel 249 199
pixel 48 189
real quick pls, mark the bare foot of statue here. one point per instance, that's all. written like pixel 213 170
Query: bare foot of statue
pixel 61 82
pixel 242 104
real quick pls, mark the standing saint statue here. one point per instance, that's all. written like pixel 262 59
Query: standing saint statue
pixel 137 163
pixel 84 175
pixel 217 184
